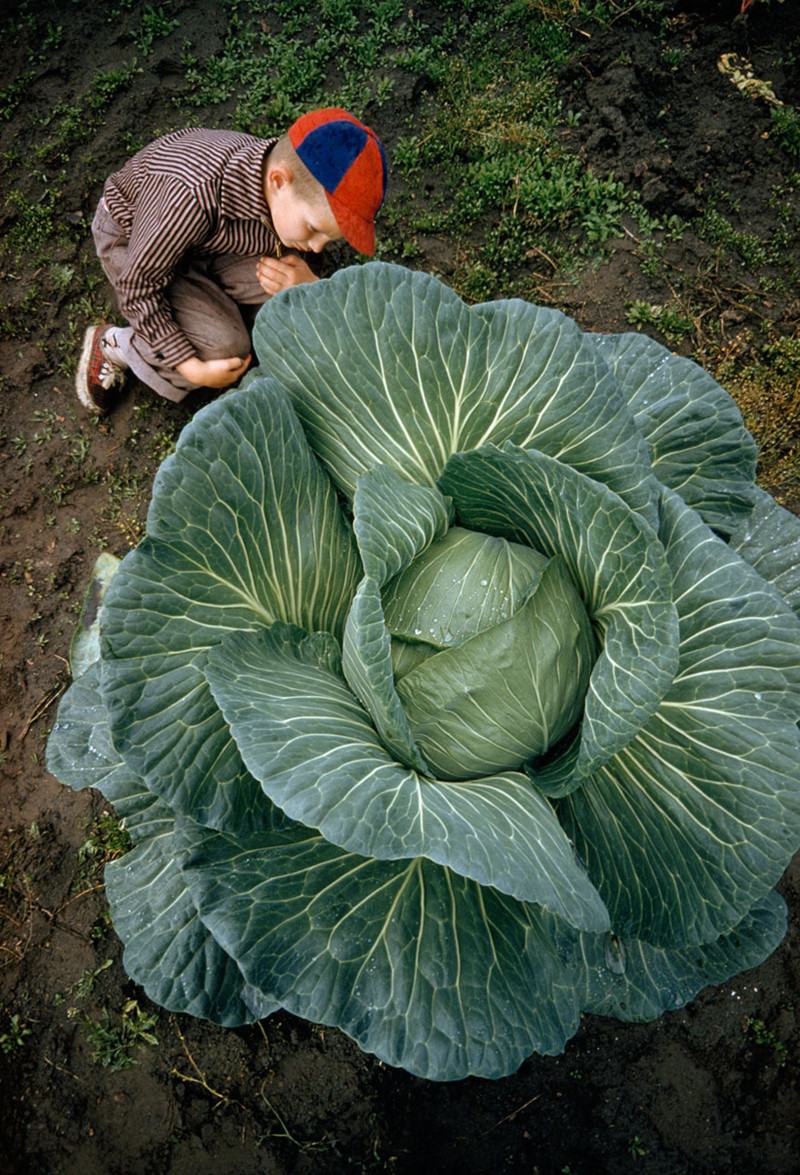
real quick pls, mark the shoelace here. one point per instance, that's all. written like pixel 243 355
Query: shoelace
pixel 108 374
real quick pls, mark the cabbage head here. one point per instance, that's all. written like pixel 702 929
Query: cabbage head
pixel 453 692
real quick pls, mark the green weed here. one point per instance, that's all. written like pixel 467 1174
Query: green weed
pixel 15 26
pixel 71 127
pixel 108 83
pixel 754 252
pixel 12 95
pixel 84 986
pixel 114 13
pixel 636 1148
pixel 101 926
pixel 606 12
pixel 34 227
pixel 670 319
pixel 786 128
pixel 761 1035
pixel 14 1037
pixel 276 73
pixel 406 158
pixel 106 841
pixel 113 1044
pixel 675 58
pixel 767 390
pixel 154 25
pixel 62 277
pixel 52 39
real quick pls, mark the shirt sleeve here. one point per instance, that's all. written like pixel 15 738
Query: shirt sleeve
pixel 169 222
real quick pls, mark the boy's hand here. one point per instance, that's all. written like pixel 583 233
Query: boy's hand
pixel 278 273
pixel 213 373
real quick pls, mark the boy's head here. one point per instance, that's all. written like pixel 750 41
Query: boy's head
pixel 345 159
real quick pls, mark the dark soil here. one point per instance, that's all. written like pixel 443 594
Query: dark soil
pixel 712 1088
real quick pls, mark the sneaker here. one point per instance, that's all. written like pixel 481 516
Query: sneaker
pixel 99 380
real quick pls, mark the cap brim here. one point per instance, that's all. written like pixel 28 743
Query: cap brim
pixel 357 231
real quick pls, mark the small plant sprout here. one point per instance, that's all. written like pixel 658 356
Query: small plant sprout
pixel 15 1035
pixel 154 25
pixel 636 1148
pixel 113 1044
pixel 758 1032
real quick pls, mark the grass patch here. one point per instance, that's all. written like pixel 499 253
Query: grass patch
pixel 495 132
pixel 767 390
pixel 277 61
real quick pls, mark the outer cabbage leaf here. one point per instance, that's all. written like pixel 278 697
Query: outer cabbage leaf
pixel 81 754
pixel 769 539
pixel 425 969
pixel 689 826
pixel 633 981
pixel 168 950
pixel 302 732
pixel 244 528
pixel 698 443
pixel 412 375
pixel 84 647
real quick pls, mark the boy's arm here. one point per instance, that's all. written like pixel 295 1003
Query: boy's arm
pixel 156 246
pixel 213 373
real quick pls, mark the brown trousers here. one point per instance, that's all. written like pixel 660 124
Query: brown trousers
pixel 206 300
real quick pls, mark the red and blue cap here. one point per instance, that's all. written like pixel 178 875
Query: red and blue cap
pixel 347 159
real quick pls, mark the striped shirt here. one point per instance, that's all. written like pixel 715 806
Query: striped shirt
pixel 194 192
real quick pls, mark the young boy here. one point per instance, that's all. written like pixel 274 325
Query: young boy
pixel 192 230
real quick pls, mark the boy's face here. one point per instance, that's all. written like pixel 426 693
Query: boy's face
pixel 299 223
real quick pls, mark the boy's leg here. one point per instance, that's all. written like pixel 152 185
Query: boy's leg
pixel 205 312
pixel 207 316
pixel 237 277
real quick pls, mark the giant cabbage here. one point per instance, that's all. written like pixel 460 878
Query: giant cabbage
pixel 453 690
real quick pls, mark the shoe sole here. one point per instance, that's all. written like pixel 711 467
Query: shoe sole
pixel 82 375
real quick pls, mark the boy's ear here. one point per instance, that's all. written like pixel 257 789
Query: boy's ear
pixel 278 174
